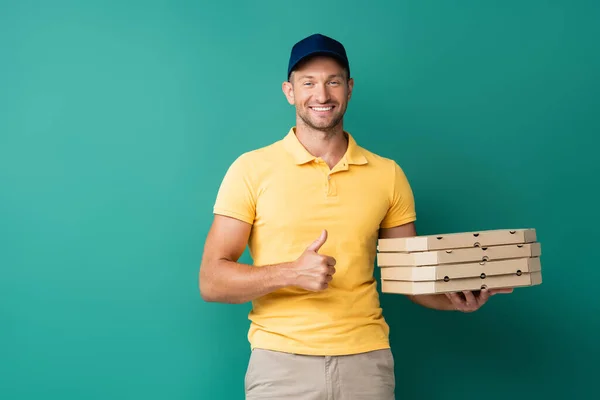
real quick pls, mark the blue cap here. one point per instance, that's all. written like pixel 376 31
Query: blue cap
pixel 317 44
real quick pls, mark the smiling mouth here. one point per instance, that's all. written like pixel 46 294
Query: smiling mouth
pixel 322 109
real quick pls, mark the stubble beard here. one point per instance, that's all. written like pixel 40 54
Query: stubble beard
pixel 326 128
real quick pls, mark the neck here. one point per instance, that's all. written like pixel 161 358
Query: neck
pixel 330 145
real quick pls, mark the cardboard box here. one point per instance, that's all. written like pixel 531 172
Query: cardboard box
pixel 448 272
pixel 460 261
pixel 456 285
pixel 458 240
pixel 460 255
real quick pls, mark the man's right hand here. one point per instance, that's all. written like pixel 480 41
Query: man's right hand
pixel 313 271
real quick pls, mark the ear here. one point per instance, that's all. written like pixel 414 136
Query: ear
pixel 350 87
pixel 288 91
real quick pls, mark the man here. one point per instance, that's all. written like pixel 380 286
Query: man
pixel 311 208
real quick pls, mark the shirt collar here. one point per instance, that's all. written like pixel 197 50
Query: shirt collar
pixel 353 155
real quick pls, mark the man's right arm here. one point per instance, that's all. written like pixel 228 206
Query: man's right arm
pixel 222 279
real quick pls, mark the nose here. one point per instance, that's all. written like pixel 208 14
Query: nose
pixel 321 93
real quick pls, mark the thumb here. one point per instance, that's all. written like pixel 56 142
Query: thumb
pixel 316 245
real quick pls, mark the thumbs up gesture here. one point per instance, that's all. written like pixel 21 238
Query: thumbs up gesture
pixel 313 271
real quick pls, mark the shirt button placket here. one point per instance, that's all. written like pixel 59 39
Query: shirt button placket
pixel 331 189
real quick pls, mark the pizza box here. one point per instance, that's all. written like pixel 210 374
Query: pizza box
pixel 460 255
pixel 485 238
pixel 458 285
pixel 448 272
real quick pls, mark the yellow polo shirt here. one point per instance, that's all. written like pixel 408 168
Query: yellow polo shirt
pixel 290 196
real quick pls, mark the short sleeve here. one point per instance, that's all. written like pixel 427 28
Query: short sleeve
pixel 236 195
pixel 402 204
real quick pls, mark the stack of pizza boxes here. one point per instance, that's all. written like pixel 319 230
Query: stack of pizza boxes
pixel 455 262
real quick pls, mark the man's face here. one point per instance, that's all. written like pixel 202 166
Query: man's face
pixel 320 90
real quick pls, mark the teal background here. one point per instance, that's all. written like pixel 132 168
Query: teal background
pixel 118 120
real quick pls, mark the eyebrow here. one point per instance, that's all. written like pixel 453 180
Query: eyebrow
pixel 312 77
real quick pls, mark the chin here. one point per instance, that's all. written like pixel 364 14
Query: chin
pixel 322 125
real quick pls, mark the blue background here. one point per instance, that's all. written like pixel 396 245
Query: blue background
pixel 118 120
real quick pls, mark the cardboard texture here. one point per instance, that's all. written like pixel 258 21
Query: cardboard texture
pixel 450 256
pixel 474 283
pixel 466 270
pixel 460 261
pixel 458 240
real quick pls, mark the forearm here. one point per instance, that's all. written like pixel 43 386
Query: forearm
pixel 434 301
pixel 226 281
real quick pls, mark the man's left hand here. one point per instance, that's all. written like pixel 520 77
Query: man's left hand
pixel 473 301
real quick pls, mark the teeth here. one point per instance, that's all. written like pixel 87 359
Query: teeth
pixel 322 108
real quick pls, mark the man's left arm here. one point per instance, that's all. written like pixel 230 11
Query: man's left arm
pixel 444 301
